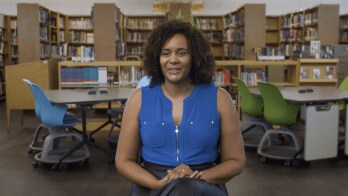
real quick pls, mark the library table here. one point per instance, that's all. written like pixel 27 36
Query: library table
pixel 321 117
pixel 84 100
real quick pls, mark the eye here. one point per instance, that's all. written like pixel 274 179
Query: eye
pixel 182 52
pixel 165 53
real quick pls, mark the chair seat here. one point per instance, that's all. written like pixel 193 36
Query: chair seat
pixel 115 111
pixel 70 119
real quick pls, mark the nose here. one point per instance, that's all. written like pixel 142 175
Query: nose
pixel 173 58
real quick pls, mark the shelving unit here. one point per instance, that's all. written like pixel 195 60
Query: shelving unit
pixel 4 48
pixel 13 51
pixel 323 72
pixel 212 27
pixel 344 29
pixel 99 74
pixel 137 29
pixel 244 30
pixel 80 38
pixel 299 28
pixel 41 33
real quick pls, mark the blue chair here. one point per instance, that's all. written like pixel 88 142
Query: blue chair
pixel 117 112
pixel 57 144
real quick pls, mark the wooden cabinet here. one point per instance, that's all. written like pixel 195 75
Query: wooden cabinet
pixel 343 29
pixel 244 30
pixel 19 97
pixel 323 72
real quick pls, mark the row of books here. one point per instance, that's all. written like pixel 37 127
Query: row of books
pixel 290 35
pixel 137 36
pixel 234 20
pixel 232 35
pixel 315 72
pixel 208 23
pixel 81 53
pixel 344 23
pixel 252 77
pixel 80 37
pixel 81 23
pixel 233 51
pixel 44 16
pixel 146 23
pixel 343 36
pixel 269 53
pixel 222 77
pixel 83 76
pixel 214 36
pixel 130 76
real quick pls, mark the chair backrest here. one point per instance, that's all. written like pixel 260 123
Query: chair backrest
pixel 250 105
pixel 344 84
pixel 50 115
pixel 144 81
pixel 37 103
pixel 276 109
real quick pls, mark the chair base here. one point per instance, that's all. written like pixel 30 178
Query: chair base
pixel 38 140
pixel 252 140
pixel 279 152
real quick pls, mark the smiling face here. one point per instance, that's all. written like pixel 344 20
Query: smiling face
pixel 175 60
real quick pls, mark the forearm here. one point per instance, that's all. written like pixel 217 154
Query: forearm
pixel 223 172
pixel 137 174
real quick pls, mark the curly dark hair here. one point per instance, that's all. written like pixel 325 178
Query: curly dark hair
pixel 203 64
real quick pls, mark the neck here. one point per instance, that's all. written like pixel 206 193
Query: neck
pixel 177 90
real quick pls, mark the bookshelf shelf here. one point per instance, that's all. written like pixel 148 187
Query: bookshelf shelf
pixel 318 72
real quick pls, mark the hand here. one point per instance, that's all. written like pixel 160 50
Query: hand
pixel 182 171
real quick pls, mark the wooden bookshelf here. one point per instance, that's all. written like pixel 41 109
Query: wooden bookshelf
pixel 343 29
pixel 80 38
pixel 272 31
pixel 323 72
pixel 39 32
pixel 137 29
pixel 244 30
pixel 212 27
pixel 4 51
pixel 13 37
pixel 105 29
pixel 299 28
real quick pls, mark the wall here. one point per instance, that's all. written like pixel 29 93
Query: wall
pixel 140 7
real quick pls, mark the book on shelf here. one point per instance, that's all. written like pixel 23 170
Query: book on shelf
pixel 330 72
pixel 316 73
pixel 315 48
pixel 84 76
pixel 304 73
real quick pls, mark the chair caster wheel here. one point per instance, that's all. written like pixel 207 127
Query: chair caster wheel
pixel 83 163
pixel 30 151
pixel 263 160
pixel 287 163
pixel 35 164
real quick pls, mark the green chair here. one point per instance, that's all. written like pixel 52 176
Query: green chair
pixel 279 112
pixel 342 114
pixel 252 116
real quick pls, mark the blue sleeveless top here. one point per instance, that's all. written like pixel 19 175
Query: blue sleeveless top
pixel 194 141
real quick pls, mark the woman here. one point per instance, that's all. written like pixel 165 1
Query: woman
pixel 181 123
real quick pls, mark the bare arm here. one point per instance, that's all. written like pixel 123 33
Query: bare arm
pixel 128 147
pixel 231 143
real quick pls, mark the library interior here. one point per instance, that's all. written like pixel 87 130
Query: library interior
pixel 67 69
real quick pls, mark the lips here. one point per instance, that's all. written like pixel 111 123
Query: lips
pixel 174 70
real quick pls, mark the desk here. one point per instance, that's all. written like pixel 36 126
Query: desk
pixel 321 127
pixel 81 98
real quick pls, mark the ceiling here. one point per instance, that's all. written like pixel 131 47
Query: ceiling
pixel 143 7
